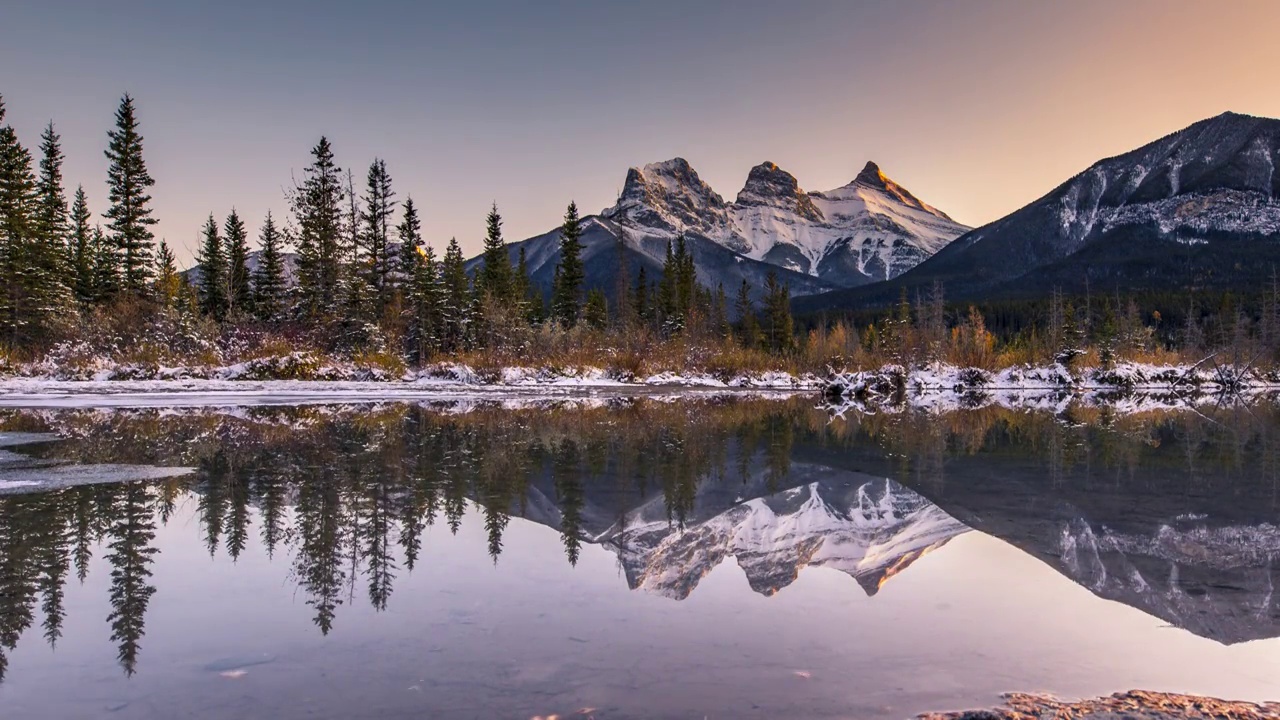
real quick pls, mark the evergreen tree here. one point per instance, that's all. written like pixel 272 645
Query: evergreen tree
pixel 566 295
pixel 17 207
pixel 51 227
pixel 168 281
pixel 417 283
pixel 495 277
pixel 778 326
pixel 643 308
pixel 525 294
pixel 748 325
pixel 81 252
pixel 429 303
pixel 106 265
pixel 409 233
pixel 376 251
pixel 622 312
pixel 678 288
pixel 317 208
pixel 268 278
pixel 457 298
pixel 129 212
pixel 354 272
pixel 596 311
pixel 236 243
pixel 213 272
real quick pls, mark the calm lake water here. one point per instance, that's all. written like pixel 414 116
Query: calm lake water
pixel 718 558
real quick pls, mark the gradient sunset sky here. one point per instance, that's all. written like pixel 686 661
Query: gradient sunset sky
pixel 976 106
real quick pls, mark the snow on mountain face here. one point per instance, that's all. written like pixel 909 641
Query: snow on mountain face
pixel 871 229
pixel 871 534
pixel 1199 207
pixel 1217 582
pixel 1216 175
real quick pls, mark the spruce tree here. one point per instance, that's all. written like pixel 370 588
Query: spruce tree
pixel 212 260
pixel 413 281
pixel 239 286
pixel 268 278
pixel 495 277
pixel 778 327
pixel 596 311
pixel 457 298
pixel 81 254
pixel 168 281
pixel 643 308
pixel 409 234
pixel 566 296
pixel 748 325
pixel 129 212
pixel 52 226
pixel 376 254
pixel 17 206
pixel 426 324
pixel 106 265
pixel 525 294
pixel 317 208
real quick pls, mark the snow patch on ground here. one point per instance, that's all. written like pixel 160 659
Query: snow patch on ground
pixel 1128 387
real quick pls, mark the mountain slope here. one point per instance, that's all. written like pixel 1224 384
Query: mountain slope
pixel 1197 208
pixel 869 230
pixel 603 239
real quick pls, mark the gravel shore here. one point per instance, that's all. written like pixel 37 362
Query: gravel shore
pixel 1133 705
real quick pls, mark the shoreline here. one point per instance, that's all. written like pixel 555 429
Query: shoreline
pixel 1131 705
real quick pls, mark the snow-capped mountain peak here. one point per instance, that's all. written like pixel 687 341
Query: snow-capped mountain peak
pixel 771 186
pixel 668 198
pixel 871 229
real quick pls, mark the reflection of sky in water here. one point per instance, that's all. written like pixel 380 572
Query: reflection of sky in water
pixel 533 635
pixel 1090 508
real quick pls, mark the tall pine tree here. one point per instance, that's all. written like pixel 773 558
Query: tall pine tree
pixel 457 298
pixel 268 278
pixel 213 272
pixel 236 243
pixel 495 277
pixel 566 296
pixel 17 205
pixel 129 211
pixel 52 224
pixel 168 281
pixel 778 326
pixel 317 209
pixel 81 254
pixel 748 325
pixel 376 250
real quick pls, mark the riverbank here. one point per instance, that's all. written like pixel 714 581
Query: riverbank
pixel 1133 705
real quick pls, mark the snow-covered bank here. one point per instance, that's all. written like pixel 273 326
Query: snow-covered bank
pixel 245 385
pixel 308 367
pixel 895 380
pixel 1126 387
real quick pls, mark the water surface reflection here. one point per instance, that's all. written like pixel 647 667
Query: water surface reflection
pixel 415 538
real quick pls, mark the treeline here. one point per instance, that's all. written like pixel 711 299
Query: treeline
pixel 1187 326
pixel 348 271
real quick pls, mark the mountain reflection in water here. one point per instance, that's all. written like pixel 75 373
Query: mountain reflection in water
pixel 1172 513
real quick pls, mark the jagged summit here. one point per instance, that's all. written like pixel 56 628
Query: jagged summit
pixel 871 229
pixel 872 176
pixel 770 185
